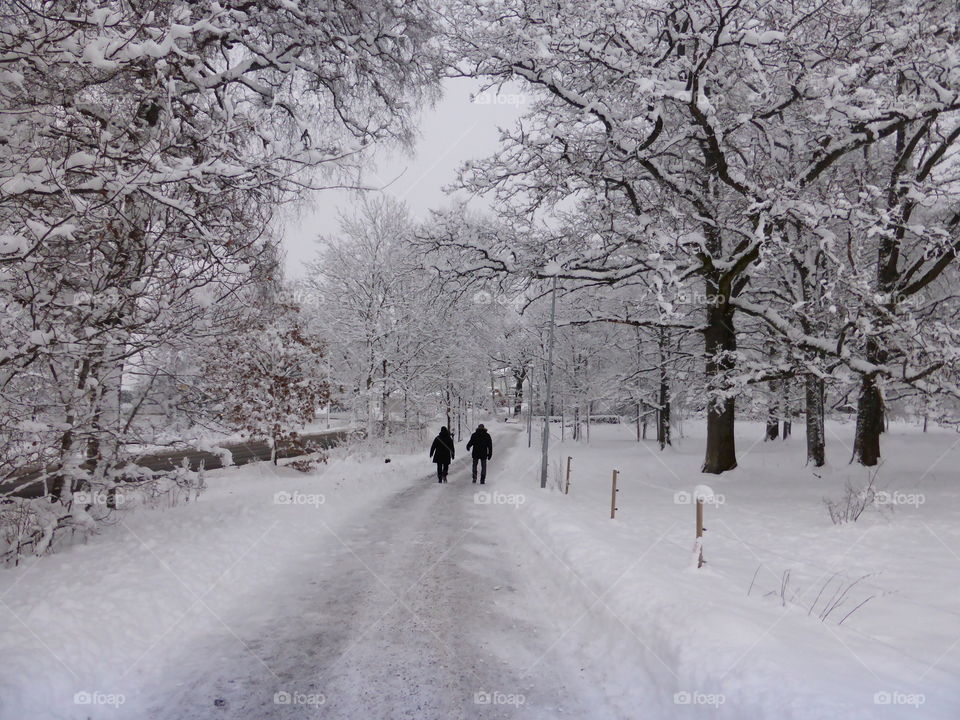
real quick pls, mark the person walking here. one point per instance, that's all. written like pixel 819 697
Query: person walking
pixel 442 451
pixel 482 446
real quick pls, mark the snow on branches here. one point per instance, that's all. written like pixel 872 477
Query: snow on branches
pixel 144 151
pixel 733 143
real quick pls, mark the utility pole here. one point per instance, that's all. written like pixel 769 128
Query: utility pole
pixel 544 449
pixel 530 408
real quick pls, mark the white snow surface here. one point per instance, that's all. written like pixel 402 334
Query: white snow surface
pixel 367 590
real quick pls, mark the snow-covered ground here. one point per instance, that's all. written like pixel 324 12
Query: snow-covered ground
pixel 106 618
pixel 366 589
pixel 743 634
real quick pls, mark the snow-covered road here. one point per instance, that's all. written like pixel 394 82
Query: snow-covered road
pixel 433 605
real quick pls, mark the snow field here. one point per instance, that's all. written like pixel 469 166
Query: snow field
pixel 714 649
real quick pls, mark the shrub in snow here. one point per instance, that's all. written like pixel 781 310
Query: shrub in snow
pixel 310 462
pixel 38 525
pixel 850 506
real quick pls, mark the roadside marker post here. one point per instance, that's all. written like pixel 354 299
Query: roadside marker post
pixel 613 495
pixel 700 560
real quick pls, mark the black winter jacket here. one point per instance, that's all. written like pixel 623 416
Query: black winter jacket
pixel 442 450
pixel 481 443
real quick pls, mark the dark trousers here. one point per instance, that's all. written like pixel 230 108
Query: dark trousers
pixel 483 469
pixel 442 469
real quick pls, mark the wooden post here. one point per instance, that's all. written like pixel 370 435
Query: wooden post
pixel 613 495
pixel 566 489
pixel 700 559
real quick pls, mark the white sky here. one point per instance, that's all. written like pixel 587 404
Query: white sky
pixel 455 130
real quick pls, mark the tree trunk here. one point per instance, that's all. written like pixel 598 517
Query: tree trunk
pixel 816 437
pixel 562 423
pixel 518 376
pixel 371 404
pixel 663 401
pixel 785 408
pixel 663 418
pixel 493 396
pixel 449 410
pixel 870 415
pixel 384 400
pixel 63 483
pixel 866 440
pixel 720 342
pixel 772 431
pixel 773 412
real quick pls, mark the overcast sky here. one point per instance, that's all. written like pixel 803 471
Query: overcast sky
pixel 455 130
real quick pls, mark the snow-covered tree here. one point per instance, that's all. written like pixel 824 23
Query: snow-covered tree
pixel 694 135
pixel 269 379
pixel 146 147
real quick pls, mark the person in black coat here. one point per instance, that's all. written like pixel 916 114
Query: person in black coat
pixel 482 446
pixel 442 451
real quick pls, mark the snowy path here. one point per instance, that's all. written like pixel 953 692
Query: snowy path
pixel 433 599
